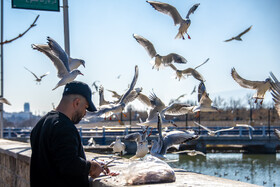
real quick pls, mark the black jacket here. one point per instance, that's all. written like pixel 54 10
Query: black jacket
pixel 58 158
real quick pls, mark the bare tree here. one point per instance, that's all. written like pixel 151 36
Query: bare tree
pixel 20 35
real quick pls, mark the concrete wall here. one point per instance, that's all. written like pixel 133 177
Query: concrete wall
pixel 14 163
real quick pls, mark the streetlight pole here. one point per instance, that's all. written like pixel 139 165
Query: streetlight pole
pixel 1 61
pixel 66 27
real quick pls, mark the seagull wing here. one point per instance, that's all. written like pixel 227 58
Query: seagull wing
pixel 4 100
pixel 205 100
pixel 192 9
pixel 228 129
pixel 194 73
pixel 144 99
pixel 243 82
pixel 32 73
pixel 229 39
pixel 175 137
pixel 202 126
pixel 61 69
pixel 201 89
pixel 133 137
pixel 173 67
pixel 44 75
pixel 275 92
pixel 202 63
pixel 167 9
pixel 59 52
pixel 177 109
pixel 244 32
pixel 123 99
pixel 173 57
pixel 149 47
pixel 115 94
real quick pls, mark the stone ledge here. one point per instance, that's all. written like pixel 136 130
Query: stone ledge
pixel 21 152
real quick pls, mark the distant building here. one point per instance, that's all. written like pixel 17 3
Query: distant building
pixel 26 107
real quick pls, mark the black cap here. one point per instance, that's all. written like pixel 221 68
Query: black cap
pixel 82 89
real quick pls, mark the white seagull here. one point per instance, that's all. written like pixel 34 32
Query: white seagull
pixel 156 105
pixel 205 103
pixel 38 79
pixel 189 72
pixel 175 137
pixel 60 60
pixel 131 94
pixel 172 11
pixel 238 37
pixel 4 101
pixel 118 146
pixel 213 133
pixel 159 60
pixel 260 86
pixel 141 141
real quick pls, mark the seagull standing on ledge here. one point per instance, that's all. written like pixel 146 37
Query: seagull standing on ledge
pixel 118 146
pixel 60 60
pixel 172 11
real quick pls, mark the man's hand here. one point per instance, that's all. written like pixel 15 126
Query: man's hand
pixel 95 169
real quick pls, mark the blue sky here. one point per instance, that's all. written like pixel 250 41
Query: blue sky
pixel 101 34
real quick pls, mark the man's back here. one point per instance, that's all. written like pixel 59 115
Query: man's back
pixel 58 157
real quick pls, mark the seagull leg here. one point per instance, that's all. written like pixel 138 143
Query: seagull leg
pixel 188 36
pixel 197 115
pixel 261 102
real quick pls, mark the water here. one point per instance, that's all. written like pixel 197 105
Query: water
pixel 256 169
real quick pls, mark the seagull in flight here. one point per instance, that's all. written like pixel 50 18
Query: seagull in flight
pixel 213 133
pixel 205 103
pixel 60 60
pixel 260 86
pixel 109 109
pixel 178 20
pixel 159 60
pixel 238 37
pixel 175 137
pixel 4 101
pixel 189 72
pixel 193 91
pixel 156 105
pixel 38 79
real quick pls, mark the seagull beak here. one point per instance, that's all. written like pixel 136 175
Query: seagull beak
pixel 81 74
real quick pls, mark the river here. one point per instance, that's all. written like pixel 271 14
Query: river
pixel 256 169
